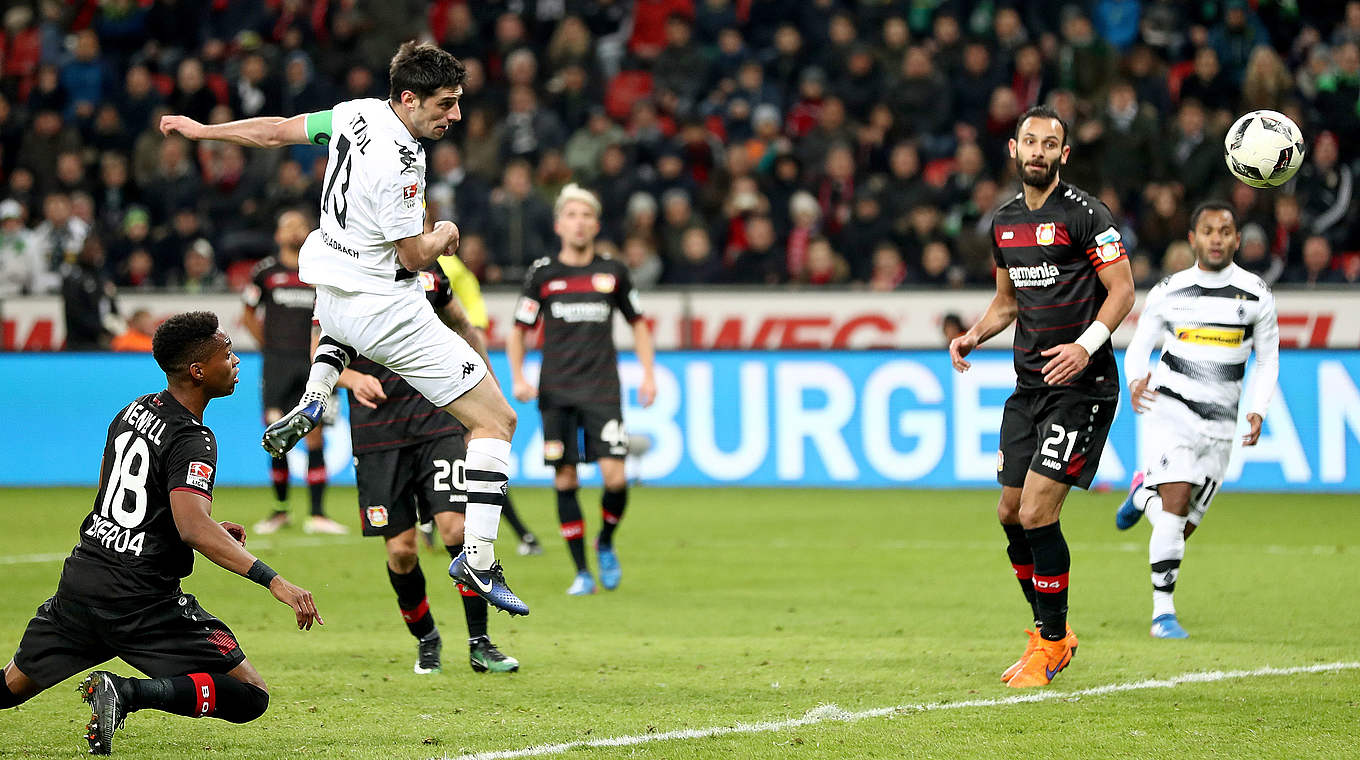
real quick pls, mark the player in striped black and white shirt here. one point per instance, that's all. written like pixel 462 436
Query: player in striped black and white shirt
pixel 1209 318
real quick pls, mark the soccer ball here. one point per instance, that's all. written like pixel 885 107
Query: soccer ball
pixel 1263 148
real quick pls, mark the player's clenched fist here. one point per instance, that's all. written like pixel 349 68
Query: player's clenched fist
pixel 172 124
pixel 300 599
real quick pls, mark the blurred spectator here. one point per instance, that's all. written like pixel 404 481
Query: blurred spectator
pixel 22 264
pixel 697 264
pixel 972 87
pixel 649 25
pixel 1236 36
pixel 1253 255
pixel 139 99
pixel 1326 189
pixel 191 96
pixel 677 217
pixel 1085 62
pixel 1338 92
pixel 805 216
pixel 1144 275
pixel 921 96
pixel 1209 84
pixel 1165 220
pixel 291 187
pixel 760 260
pixel 528 129
pixel 1316 267
pixel 453 193
pixel 519 230
pixel 937 267
pixel 88 301
pixel 585 148
pixel 172 241
pixel 174 178
pixel 867 228
pixel 573 97
pixel 1179 256
pixel 46 139
pixel 640 219
pixel 1129 143
pixel 861 85
pixel 197 272
pixel 61 235
pixel 137 337
pixel 472 250
pixel 824 265
pixel 1266 82
pixel 85 77
pixel 482 144
pixel 257 91
pixel 1194 158
pixel 1286 240
pixel 681 65
pixel 644 266
pixel 889 271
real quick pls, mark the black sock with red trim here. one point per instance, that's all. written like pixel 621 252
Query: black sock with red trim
pixel 278 475
pixel 316 480
pixel 573 526
pixel 1022 561
pixel 612 504
pixel 196 695
pixel 1051 564
pixel 415 606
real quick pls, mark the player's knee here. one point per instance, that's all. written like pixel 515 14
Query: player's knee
pixel 254 702
pixel 615 481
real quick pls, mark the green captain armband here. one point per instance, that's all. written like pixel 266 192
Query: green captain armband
pixel 319 127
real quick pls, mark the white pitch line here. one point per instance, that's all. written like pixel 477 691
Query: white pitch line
pixel 834 714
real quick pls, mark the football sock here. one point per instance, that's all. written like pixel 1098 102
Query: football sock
pixel 487 474
pixel 474 609
pixel 331 358
pixel 415 606
pixel 1022 560
pixel 512 517
pixel 278 475
pixel 197 695
pixel 612 504
pixel 7 697
pixel 573 526
pixel 1051 564
pixel 316 480
pixel 1166 549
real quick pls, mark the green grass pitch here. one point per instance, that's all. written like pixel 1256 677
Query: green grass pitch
pixel 742 606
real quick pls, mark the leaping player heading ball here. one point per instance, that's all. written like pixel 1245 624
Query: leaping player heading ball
pixel 363 261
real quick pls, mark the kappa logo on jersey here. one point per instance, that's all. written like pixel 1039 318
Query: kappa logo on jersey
pixel 469 368
pixel 1040 276
pixel 406 156
pixel 200 475
pixel 427 281
pixel 377 515
pixel 1046 233
pixel 602 282
pixel 1211 336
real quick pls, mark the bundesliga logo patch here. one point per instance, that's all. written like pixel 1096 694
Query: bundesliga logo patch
pixel 408 196
pixel 377 516
pixel 200 475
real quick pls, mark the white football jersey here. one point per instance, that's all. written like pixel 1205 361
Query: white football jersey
pixel 1209 323
pixel 373 194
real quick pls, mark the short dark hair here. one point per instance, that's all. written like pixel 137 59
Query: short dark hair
pixel 1042 112
pixel 423 69
pixel 184 339
pixel 1212 205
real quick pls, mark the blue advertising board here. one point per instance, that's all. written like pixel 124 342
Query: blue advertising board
pixel 848 419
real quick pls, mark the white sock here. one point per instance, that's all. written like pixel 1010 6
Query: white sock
pixel 1142 496
pixel 331 358
pixel 1166 549
pixel 487 465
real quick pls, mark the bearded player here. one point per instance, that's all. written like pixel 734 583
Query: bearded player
pixel 1063 278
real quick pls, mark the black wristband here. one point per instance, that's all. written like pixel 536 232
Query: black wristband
pixel 261 573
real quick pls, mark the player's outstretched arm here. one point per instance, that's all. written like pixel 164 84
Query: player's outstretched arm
pixel 1267 347
pixel 258 132
pixel 193 520
pixel 999 315
pixel 1137 356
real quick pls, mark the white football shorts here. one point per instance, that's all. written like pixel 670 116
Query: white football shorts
pixel 403 333
pixel 1180 454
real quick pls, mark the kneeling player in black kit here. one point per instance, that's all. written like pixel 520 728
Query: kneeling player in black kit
pixel 119 592
pixel 409 461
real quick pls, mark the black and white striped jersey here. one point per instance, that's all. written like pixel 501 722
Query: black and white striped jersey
pixel 1209 323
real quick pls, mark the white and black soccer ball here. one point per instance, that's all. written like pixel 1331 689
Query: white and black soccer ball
pixel 1263 148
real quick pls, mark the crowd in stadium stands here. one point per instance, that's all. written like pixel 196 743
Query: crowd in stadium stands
pixel 753 142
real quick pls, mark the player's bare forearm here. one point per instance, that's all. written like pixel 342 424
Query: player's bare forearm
pixel 1000 312
pixel 251 319
pixel 257 132
pixel 514 353
pixel 1118 281
pixel 646 354
pixel 193 520
pixel 420 251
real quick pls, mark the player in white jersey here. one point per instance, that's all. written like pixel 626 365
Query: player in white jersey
pixel 1211 315
pixel 363 261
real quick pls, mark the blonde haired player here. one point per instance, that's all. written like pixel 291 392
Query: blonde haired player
pixel 1212 316
pixel 575 295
